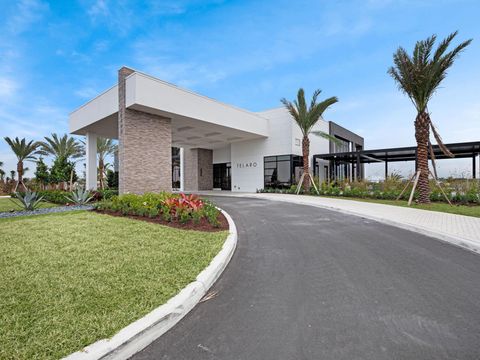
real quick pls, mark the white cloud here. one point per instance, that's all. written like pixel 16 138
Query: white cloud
pixel 27 13
pixel 8 87
pixel 86 92
pixel 99 8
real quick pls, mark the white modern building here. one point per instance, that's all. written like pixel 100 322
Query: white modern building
pixel 171 137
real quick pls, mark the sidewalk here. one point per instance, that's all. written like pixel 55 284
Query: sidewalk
pixel 457 229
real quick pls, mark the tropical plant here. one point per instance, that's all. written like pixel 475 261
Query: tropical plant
pixel 306 118
pixel 79 196
pixel 419 76
pixel 2 172
pixel 24 152
pixel 42 174
pixel 65 146
pixel 29 200
pixel 63 171
pixel 105 147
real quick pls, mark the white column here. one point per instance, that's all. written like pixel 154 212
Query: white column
pixel 91 154
pixel 182 170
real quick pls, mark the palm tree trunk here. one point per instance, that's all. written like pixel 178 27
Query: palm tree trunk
pixel 100 172
pixel 306 167
pixel 20 174
pixel 422 135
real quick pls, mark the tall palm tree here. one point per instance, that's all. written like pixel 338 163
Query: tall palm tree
pixel 419 76
pixel 66 147
pixel 306 118
pixel 24 152
pixel 105 147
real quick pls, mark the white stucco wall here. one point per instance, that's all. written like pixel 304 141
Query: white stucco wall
pixel 222 155
pixel 247 156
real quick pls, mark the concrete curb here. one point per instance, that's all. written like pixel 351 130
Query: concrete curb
pixel 453 240
pixel 144 331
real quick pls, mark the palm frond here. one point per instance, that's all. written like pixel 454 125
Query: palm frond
pixel 439 141
pixel 327 137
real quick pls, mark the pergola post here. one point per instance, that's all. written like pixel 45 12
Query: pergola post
pixel 91 161
pixel 474 166
pixel 386 166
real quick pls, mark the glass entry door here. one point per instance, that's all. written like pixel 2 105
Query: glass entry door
pixel 222 178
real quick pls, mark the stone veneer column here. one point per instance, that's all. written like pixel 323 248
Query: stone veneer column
pixel 144 148
pixel 198 169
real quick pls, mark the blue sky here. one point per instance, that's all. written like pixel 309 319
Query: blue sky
pixel 56 55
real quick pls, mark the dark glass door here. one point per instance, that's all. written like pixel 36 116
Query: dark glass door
pixel 222 176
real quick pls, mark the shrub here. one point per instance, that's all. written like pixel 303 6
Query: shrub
pixel 30 200
pixel 460 191
pixel 79 196
pixel 170 207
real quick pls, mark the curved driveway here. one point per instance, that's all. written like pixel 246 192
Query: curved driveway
pixel 308 283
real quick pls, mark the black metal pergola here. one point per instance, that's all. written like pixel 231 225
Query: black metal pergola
pixel 356 158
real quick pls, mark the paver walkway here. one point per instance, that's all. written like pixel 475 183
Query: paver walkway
pixel 458 229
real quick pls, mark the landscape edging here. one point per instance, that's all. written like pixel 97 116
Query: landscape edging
pixel 139 334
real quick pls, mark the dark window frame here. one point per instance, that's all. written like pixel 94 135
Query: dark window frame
pixel 293 160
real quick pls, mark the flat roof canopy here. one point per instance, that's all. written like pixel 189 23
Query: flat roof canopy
pixel 460 150
pixel 197 121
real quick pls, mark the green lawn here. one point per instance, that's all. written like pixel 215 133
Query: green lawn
pixel 6 204
pixel 70 279
pixel 442 207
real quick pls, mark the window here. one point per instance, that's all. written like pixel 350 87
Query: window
pixel 282 171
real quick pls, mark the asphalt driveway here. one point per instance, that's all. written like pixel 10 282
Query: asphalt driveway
pixel 308 283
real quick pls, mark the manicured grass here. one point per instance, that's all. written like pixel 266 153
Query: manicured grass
pixel 473 210
pixel 68 280
pixel 6 204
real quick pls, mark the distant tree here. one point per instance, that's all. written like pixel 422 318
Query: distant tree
pixel 24 152
pixel 112 179
pixel 12 175
pixel 306 118
pixel 42 174
pixel 62 171
pixel 419 76
pixel 105 147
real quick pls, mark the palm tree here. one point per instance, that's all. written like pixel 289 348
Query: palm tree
pixel 65 146
pixel 105 147
pixel 306 118
pixel 419 76
pixel 24 152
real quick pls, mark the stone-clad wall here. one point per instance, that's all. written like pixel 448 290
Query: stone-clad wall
pixel 145 148
pixel 198 169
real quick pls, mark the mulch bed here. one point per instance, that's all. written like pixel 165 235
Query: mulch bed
pixel 203 225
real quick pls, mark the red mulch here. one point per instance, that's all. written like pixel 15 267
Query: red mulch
pixel 203 225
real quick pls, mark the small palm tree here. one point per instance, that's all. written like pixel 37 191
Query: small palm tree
pixel 24 152
pixel 105 147
pixel 2 172
pixel 306 118
pixel 419 76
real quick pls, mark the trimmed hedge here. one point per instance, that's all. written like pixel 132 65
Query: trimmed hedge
pixel 60 196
